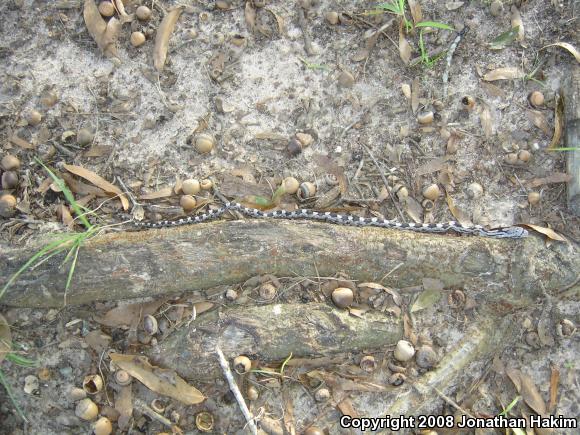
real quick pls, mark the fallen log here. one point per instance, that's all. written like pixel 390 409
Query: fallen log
pixel 571 93
pixel 152 263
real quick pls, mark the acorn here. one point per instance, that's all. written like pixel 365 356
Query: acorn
pixel 122 377
pixel 524 156
pixel 290 185
pixel 92 384
pixel 427 204
pixel 150 325
pixel 188 203
pixel 9 180
pixel 404 351
pixel 7 201
pixel 106 9
pixel 305 139
pixel 426 357
pixel 342 297
pixel 204 143
pixel 368 363
pixel 468 102
pixel 294 147
pixel 322 395
pixel 306 190
pixel 33 117
pixel 397 379
pixel 204 421
pixel 332 18
pixel 252 393
pixel 143 13
pixel 511 159
pixel 313 430
pixel 158 406
pixel 76 393
pixel 267 291
pixel 49 98
pixel 474 191
pixel 86 409
pixel 425 118
pixel 406 89
pixel 137 39
pixel 536 99
pixel 191 186
pixel 102 426
pixel 10 162
pixel 85 136
pixel 242 364
pixel 534 198
pixel 206 184
pixel 231 294
pixel 432 192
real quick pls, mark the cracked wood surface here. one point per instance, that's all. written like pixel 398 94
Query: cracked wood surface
pixel 152 263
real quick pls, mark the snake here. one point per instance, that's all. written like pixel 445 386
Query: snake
pixel 512 232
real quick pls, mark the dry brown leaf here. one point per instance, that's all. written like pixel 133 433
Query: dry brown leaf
pixel 416 12
pixel 19 142
pixel 413 209
pixel 82 188
pixel 405 49
pixel 98 181
pixel 507 73
pixel 539 120
pixel 98 151
pixel 517 22
pixel 162 37
pixel 162 193
pixel 5 338
pixel 279 21
pixel 64 215
pixel 98 341
pixel 128 315
pixel 124 405
pixel 415 94
pixel 493 90
pixel 554 381
pixel 558 122
pixel 250 16
pixel 162 381
pixel 104 33
pixel 345 406
pixel 458 214
pixel 486 121
pixel 433 165
pixel 558 177
pixel 566 46
pixel 531 395
pixel 120 7
pixel 550 233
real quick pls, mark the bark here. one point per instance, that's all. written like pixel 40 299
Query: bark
pixel 196 257
pixel 271 333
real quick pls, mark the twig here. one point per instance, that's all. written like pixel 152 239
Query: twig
pixel 452 403
pixel 236 391
pixel 385 182
pixel 149 412
pixel 307 42
pixel 450 53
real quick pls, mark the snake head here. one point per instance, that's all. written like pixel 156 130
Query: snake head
pixel 508 233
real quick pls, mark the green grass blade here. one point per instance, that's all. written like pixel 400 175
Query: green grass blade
pixel 67 194
pixel 10 393
pixel 434 24
pixel 21 361
pixel 284 364
pixel 48 249
pixel 510 406
pixel 395 8
pixel 72 266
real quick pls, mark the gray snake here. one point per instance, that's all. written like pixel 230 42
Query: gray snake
pixel 343 219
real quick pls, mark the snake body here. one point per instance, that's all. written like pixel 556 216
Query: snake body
pixel 342 219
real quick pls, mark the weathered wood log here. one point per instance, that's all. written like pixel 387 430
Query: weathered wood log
pixel 272 332
pixel 196 257
pixel 571 92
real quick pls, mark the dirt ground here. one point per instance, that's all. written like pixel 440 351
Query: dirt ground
pixel 286 89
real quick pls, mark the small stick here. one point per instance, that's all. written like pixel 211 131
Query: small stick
pixel 236 391
pixel 450 53
pixel 307 42
pixel 385 182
